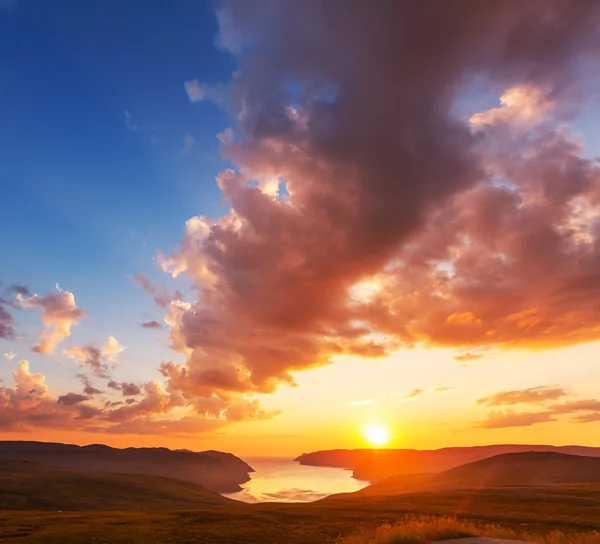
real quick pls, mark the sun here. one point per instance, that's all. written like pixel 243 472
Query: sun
pixel 377 435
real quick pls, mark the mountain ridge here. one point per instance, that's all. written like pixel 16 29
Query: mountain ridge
pixel 376 464
pixel 517 469
pixel 217 471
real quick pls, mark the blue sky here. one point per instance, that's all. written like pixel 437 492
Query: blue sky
pixel 86 201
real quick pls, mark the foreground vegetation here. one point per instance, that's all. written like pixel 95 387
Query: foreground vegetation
pixel 527 512
pixel 425 529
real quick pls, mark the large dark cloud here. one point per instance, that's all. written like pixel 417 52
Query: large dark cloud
pixel 364 214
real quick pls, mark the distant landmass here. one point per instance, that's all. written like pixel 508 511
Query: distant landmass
pixel 214 470
pixel 30 486
pixel 373 465
pixel 525 469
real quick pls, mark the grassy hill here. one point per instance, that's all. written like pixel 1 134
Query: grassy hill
pixel 508 469
pixel 528 511
pixel 374 464
pixel 218 471
pixel 156 510
pixel 30 486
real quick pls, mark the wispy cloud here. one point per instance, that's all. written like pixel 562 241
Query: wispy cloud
pixel 188 143
pixel 414 393
pixel 439 388
pixel 468 357
pixel 134 127
pixel 194 91
pixel 162 297
pixel 151 325
pixel 533 395
pixel 510 418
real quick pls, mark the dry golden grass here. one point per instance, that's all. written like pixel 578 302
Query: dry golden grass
pixel 426 529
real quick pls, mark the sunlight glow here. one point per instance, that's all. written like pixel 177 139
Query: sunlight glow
pixel 377 435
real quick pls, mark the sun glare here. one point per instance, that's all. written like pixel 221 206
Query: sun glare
pixel 377 435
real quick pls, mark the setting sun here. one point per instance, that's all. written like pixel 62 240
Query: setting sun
pixel 377 435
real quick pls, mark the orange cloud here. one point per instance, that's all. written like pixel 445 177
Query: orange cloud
pixel 365 217
pixel 59 314
pixel 468 356
pixel 162 297
pixel 533 395
pixel 29 405
pixel 510 418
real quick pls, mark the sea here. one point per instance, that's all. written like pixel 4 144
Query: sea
pixel 283 480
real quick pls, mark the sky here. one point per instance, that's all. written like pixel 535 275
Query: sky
pixel 266 226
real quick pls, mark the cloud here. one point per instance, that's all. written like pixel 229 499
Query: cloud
pixel 188 142
pixel 112 384
pixel 194 91
pixel 439 388
pixel 533 395
pixel 586 410
pixel 20 289
pixel 585 405
pixel 414 393
pixel 351 174
pixel 59 314
pixel 30 405
pixel 111 349
pixel 129 123
pixel 88 388
pixel 71 398
pixel 130 389
pixel 99 361
pixel 588 418
pixel 468 356
pixel 7 330
pixel 134 127
pixel 162 297
pixel 151 325
pixel 510 418
pixel 9 356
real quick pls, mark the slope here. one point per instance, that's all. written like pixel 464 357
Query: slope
pixel 524 469
pixel 217 471
pixel 30 486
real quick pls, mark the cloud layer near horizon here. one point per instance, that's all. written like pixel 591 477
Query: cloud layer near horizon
pixel 365 215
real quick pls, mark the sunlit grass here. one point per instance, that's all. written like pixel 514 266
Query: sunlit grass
pixel 426 529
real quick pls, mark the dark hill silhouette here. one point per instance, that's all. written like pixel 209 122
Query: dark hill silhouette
pixel 217 471
pixel 374 465
pixel 524 469
pixel 30 486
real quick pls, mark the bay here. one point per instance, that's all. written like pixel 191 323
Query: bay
pixel 283 480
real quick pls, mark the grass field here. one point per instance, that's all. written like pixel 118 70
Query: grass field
pixel 425 529
pixel 531 512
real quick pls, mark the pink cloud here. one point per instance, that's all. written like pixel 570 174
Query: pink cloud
pixel 59 314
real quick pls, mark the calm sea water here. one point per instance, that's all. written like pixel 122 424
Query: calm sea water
pixel 282 480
